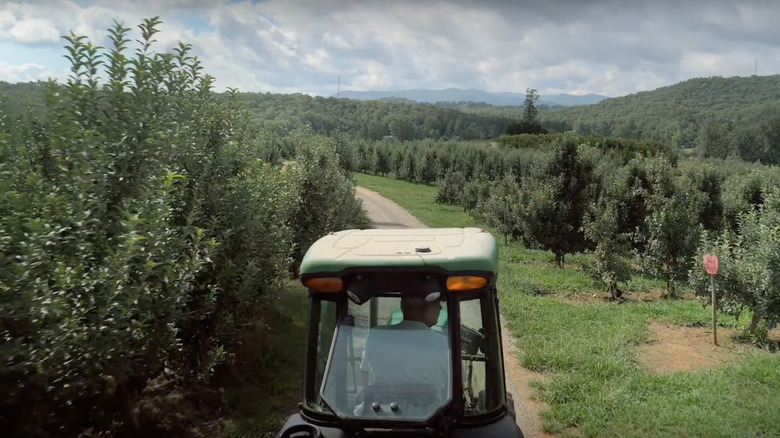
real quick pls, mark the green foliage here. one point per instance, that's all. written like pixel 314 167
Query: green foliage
pixel 402 128
pixel 631 188
pixel 450 188
pixel 672 225
pixel 529 124
pixel 370 120
pixel 708 180
pixel 99 260
pixel 141 223
pixel 749 265
pixel 621 148
pixel 500 206
pixel 696 112
pixel 554 203
pixel 612 264
pixel 593 380
pixel 745 192
pixel 571 193
pixel 326 201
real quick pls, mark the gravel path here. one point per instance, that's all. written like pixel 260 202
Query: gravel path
pixel 384 213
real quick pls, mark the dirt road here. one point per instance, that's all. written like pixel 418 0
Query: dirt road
pixel 384 213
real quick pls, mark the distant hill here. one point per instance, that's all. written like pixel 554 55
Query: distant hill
pixel 676 114
pixel 471 95
pixel 372 119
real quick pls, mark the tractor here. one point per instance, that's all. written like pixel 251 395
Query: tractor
pixel 404 337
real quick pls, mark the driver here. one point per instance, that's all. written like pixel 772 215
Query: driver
pixel 409 353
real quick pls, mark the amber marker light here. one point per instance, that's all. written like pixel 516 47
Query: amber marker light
pixel 324 284
pixel 465 282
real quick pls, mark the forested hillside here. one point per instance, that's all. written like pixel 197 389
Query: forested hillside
pixel 473 96
pixel 694 113
pixel 17 98
pixel 371 120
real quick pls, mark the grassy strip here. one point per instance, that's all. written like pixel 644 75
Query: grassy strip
pixel 417 199
pixel 597 386
pixel 268 367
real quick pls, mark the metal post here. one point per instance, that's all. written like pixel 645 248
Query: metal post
pixel 373 312
pixel 714 327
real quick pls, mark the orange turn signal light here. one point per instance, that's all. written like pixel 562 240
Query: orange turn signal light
pixel 465 282
pixel 324 284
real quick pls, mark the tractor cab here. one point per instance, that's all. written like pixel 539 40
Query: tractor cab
pixel 404 336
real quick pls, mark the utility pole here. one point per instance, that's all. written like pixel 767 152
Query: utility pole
pixel 338 87
pixel 755 71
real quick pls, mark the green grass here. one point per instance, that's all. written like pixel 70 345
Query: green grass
pixel 596 386
pixel 269 367
pixel 417 198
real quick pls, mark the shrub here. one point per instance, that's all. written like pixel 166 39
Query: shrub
pixel 450 188
pixel 554 203
pixel 612 262
pixel 500 206
pixel 749 265
pixel 141 223
pixel 99 260
pixel 326 198
pixel 672 224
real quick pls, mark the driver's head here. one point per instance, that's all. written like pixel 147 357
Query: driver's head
pixel 417 309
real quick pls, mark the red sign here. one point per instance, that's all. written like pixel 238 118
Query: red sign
pixel 711 263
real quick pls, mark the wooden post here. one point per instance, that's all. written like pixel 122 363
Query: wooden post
pixel 714 326
pixel 711 266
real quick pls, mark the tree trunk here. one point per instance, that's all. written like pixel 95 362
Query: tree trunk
pixel 616 293
pixel 754 322
pixel 559 259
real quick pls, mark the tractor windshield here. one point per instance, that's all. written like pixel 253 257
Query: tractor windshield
pixel 394 365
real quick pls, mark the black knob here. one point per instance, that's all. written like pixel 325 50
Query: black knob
pixel 375 406
pixel 394 407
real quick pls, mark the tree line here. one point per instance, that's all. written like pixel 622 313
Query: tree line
pixel 646 207
pixel 370 120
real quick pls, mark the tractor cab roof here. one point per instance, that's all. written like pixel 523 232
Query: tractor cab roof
pixel 448 249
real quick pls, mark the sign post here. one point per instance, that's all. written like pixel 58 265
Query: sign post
pixel 711 266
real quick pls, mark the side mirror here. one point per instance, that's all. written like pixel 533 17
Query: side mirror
pixel 357 289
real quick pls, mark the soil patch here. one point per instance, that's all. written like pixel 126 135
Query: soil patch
pixel 518 383
pixel 628 297
pixel 675 348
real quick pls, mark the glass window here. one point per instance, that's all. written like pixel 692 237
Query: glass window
pixel 483 386
pixel 390 360
pixel 325 337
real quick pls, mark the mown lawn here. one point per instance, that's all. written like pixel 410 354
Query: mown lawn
pixel 596 385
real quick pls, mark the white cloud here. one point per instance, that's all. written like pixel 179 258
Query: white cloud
pixel 336 41
pixel 604 46
pixel 29 72
pixel 35 30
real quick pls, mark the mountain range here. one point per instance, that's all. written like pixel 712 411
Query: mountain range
pixel 472 95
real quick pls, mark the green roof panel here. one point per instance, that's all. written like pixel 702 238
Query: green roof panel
pixel 452 249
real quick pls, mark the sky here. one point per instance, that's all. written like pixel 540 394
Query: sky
pixel 607 47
